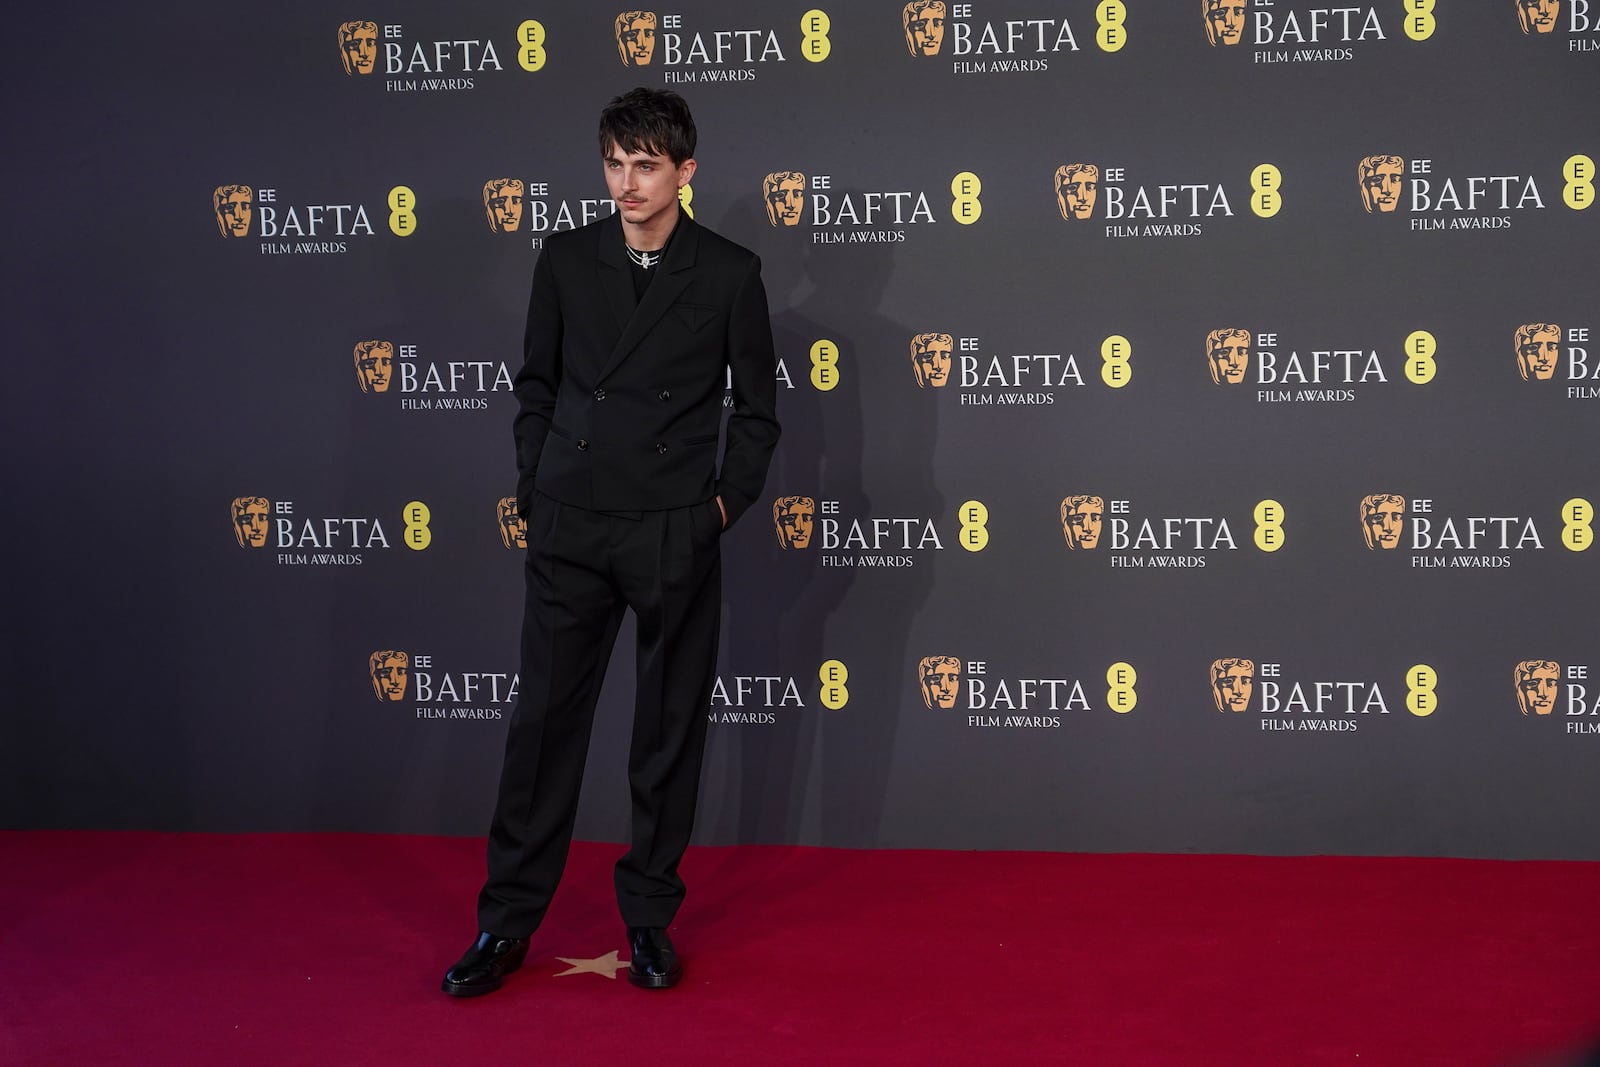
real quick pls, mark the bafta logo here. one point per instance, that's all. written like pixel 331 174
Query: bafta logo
pixel 232 203
pixel 924 26
pixel 1228 353
pixel 390 670
pixel 1383 516
pixel 793 518
pixel 1077 184
pixel 784 193
pixel 1537 16
pixel 358 46
pixel 636 37
pixel 513 530
pixel 1082 518
pixel 1536 685
pixel 1232 682
pixel 1224 21
pixel 939 679
pixel 930 359
pixel 502 203
pixel 1381 182
pixel 250 521
pixel 374 365
pixel 1538 350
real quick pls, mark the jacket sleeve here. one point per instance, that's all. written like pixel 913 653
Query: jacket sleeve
pixel 753 425
pixel 536 383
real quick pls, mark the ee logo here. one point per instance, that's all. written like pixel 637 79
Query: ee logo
pixel 1420 349
pixel 1121 678
pixel 1577 524
pixel 1265 201
pixel 966 207
pixel 530 35
pixel 1115 352
pixel 1420 681
pixel 402 219
pixel 824 365
pixel 974 526
pixel 1419 19
pixel 416 516
pixel 1269 525
pixel 1109 17
pixel 814 43
pixel 1579 190
pixel 833 674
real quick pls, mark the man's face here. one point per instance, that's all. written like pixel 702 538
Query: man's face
pixel 1383 186
pixel 235 214
pixel 933 363
pixel 1075 193
pixel 645 185
pixel 1538 353
pixel 505 208
pixel 1232 690
pixel 1540 15
pixel 1225 19
pixel 1384 524
pixel 361 50
pixel 1536 692
pixel 940 683
pixel 795 525
pixel 250 524
pixel 389 678
pixel 925 31
pixel 513 531
pixel 637 39
pixel 785 202
pixel 375 366
pixel 1230 357
pixel 1083 523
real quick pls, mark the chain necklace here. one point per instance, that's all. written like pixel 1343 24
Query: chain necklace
pixel 645 260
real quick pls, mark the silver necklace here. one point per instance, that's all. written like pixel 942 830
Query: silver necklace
pixel 643 259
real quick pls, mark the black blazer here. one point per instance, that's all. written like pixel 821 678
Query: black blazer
pixel 618 406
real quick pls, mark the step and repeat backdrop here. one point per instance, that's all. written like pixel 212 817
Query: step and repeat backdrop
pixel 1190 416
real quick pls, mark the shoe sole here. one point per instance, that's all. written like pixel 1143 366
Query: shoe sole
pixel 654 981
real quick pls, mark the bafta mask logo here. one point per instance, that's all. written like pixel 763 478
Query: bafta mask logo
pixel 1381 182
pixel 232 203
pixel 939 679
pixel 358 46
pixel 1537 16
pixel 784 193
pixel 1383 516
pixel 513 530
pixel 1224 21
pixel 1077 184
pixel 636 37
pixel 1536 686
pixel 374 365
pixel 1538 350
pixel 1082 518
pixel 250 521
pixel 390 671
pixel 1228 353
pixel 924 25
pixel 502 203
pixel 1232 682
pixel 930 359
pixel 793 518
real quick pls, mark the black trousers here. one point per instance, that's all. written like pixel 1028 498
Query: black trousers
pixel 584 568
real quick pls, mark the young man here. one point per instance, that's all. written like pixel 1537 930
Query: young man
pixel 633 326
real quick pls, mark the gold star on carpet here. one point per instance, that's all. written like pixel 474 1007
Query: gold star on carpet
pixel 605 966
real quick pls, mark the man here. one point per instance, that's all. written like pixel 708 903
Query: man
pixel 1228 353
pixel 635 324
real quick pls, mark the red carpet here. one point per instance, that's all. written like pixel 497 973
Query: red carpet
pixel 327 949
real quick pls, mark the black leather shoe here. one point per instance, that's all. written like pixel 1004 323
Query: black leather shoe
pixel 654 963
pixel 489 959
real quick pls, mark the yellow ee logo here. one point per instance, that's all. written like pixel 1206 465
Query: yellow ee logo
pixel 814 43
pixel 1419 19
pixel 1265 180
pixel 1420 349
pixel 1577 524
pixel 1109 16
pixel 1579 190
pixel 974 535
pixel 833 675
pixel 966 208
pixel 1420 681
pixel 402 217
pixel 1115 353
pixel 1121 677
pixel 416 516
pixel 530 45
pixel 1269 525
pixel 824 365
pixel 686 198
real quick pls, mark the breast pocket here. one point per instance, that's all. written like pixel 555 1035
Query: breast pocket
pixel 696 317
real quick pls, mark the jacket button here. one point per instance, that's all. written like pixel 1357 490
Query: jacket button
pixel 583 445
pixel 599 394
pixel 665 394
pixel 661 450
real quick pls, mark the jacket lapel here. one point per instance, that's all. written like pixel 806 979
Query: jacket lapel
pixel 615 276
pixel 672 278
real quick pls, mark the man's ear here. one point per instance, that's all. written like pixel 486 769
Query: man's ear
pixel 685 172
